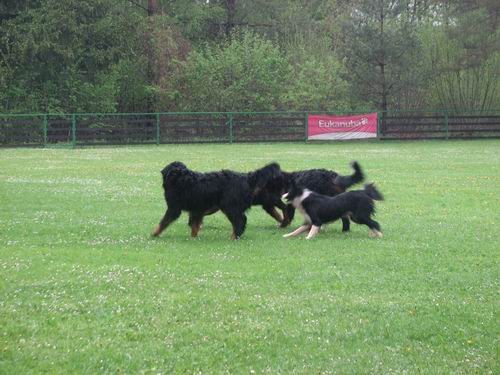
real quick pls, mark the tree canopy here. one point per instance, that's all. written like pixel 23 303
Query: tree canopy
pixel 65 56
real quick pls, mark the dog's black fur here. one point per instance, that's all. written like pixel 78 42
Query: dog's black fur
pixel 318 209
pixel 205 193
pixel 321 181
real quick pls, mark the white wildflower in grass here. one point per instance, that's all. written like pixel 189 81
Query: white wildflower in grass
pixel 84 288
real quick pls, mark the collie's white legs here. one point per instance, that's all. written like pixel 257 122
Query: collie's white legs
pixel 375 234
pixel 298 231
pixel 314 231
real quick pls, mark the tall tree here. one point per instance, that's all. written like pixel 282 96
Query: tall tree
pixel 380 44
pixel 61 55
pixel 464 56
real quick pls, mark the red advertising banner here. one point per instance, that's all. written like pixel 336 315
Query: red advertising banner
pixel 324 127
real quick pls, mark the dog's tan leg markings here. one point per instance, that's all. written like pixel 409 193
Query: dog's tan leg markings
pixel 277 216
pixel 169 217
pixel 195 229
pixel 274 214
pixel 157 231
pixel 313 232
pixel 298 231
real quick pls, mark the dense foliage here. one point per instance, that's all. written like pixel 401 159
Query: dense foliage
pixel 230 55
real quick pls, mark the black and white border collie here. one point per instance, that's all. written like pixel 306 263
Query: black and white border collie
pixel 203 194
pixel 322 181
pixel 318 209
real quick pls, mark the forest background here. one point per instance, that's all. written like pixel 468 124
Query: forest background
pixel 66 56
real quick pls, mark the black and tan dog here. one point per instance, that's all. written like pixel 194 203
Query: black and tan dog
pixel 318 209
pixel 205 193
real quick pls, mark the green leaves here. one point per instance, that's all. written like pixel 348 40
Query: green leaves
pixel 316 83
pixel 245 73
pixel 59 54
pixel 107 55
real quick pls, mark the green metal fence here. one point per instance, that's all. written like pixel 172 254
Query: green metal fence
pixel 183 127
pixel 439 124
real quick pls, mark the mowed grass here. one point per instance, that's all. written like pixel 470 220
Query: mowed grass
pixel 85 289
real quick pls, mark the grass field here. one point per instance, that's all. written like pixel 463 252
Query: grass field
pixel 84 289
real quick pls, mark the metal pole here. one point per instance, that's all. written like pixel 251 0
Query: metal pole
pixel 230 127
pixel 446 124
pixel 157 129
pixel 306 125
pixel 73 130
pixel 378 124
pixel 45 130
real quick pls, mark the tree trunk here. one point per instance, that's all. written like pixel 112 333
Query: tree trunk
pixel 152 7
pixel 150 53
pixel 381 62
pixel 230 16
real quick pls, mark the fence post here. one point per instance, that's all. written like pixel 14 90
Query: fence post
pixel 157 129
pixel 45 130
pixel 378 124
pixel 73 130
pixel 446 124
pixel 306 125
pixel 230 127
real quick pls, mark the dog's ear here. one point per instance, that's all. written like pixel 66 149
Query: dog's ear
pixel 271 172
pixel 275 169
pixel 172 170
pixel 261 177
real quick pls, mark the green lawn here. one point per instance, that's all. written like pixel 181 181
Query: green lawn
pixel 84 289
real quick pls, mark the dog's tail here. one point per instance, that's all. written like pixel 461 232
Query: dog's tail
pixel 356 177
pixel 373 193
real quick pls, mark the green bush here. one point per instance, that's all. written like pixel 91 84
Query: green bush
pixel 246 73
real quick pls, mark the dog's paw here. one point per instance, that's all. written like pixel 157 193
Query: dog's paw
pixel 375 234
